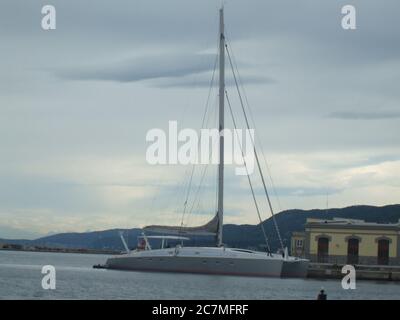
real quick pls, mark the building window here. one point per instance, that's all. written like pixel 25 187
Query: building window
pixel 352 251
pixel 383 252
pixel 299 243
pixel 323 250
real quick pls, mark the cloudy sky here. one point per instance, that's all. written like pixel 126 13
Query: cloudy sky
pixel 76 104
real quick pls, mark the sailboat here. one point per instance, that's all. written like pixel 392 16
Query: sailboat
pixel 218 259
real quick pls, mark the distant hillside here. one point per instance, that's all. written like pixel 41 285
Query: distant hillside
pixel 243 236
pixel 107 239
pixel 294 220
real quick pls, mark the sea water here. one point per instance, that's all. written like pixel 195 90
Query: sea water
pixel 21 278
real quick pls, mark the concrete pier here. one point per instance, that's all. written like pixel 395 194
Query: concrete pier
pixel 363 272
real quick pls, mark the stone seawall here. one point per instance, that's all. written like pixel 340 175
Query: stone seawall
pixel 363 272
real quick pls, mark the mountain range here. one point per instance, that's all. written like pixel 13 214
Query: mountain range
pixel 240 236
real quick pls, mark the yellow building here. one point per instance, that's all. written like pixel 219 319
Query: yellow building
pixel 348 241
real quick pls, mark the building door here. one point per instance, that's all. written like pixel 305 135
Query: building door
pixel 352 251
pixel 383 252
pixel 323 250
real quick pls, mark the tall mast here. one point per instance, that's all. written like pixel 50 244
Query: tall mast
pixel 221 126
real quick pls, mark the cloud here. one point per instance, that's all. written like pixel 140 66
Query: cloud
pixel 142 68
pixel 191 70
pixel 7 232
pixel 306 191
pixel 354 115
pixel 204 80
pixel 368 160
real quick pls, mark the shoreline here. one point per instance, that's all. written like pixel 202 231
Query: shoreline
pixel 64 250
pixel 323 271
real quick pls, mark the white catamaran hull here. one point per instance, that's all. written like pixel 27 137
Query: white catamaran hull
pixel 200 260
pixel 294 268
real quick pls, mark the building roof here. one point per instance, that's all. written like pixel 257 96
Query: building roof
pixel 298 233
pixel 350 224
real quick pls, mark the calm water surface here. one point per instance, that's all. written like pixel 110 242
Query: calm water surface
pixel 20 278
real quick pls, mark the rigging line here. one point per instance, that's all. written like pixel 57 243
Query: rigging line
pixel 255 152
pixel 183 117
pixel 216 122
pixel 198 188
pixel 215 208
pixel 254 124
pixel 248 175
pixel 210 88
pixel 204 171
pixel 197 195
pixel 183 185
pixel 171 200
pixel 198 144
